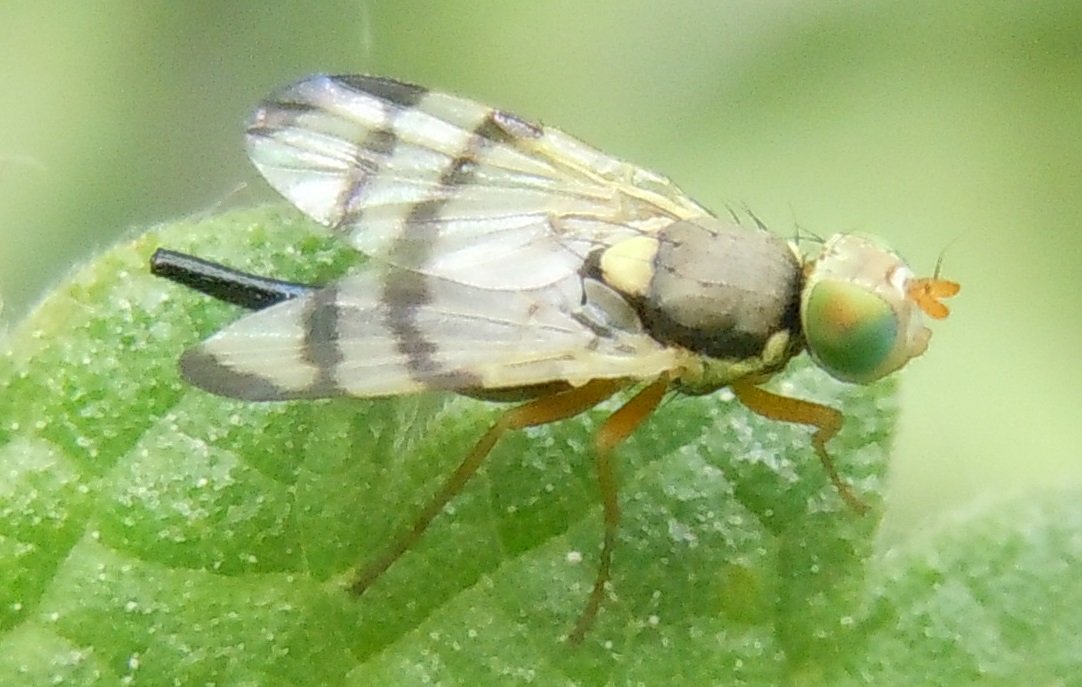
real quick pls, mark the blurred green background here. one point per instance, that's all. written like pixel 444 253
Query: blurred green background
pixel 928 123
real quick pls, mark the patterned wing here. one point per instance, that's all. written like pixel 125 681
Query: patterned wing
pixel 448 187
pixel 381 334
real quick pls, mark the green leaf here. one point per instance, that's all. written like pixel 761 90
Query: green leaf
pixel 992 597
pixel 153 534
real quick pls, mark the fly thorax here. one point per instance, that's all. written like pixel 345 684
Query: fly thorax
pixel 719 290
pixel 702 375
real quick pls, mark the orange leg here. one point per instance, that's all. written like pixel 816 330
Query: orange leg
pixel 541 411
pixel 617 428
pixel 826 420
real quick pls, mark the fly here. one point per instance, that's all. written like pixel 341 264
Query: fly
pixel 510 261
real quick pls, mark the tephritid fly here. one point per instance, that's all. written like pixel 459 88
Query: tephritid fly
pixel 513 262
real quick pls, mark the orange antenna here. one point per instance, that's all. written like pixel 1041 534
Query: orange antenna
pixel 926 293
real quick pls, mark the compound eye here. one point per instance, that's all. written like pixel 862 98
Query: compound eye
pixel 850 330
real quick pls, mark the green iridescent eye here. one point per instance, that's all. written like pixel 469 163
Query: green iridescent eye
pixel 850 330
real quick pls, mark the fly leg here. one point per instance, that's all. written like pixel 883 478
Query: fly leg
pixel 826 420
pixel 541 411
pixel 617 428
